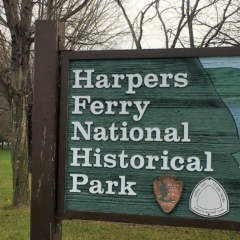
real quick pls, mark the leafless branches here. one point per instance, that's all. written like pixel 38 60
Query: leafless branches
pixel 188 23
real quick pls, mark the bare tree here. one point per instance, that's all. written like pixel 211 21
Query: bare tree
pixel 224 27
pixel 137 24
pixel 188 23
pixel 86 22
pixel 94 27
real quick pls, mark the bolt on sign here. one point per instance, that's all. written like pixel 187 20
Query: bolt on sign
pixel 150 137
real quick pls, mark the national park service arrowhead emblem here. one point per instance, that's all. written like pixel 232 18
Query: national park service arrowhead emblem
pixel 209 199
pixel 167 192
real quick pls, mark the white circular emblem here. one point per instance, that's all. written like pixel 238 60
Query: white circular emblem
pixel 209 199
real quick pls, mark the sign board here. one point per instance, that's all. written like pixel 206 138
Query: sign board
pixel 150 137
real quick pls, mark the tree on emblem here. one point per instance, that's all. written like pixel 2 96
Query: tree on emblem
pixel 167 192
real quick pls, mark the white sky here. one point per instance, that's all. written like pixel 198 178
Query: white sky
pixel 153 32
pixel 151 35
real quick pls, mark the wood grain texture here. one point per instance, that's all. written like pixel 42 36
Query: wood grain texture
pixel 212 128
pixel 44 140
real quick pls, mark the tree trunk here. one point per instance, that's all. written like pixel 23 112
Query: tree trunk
pixel 19 110
pixel 20 153
pixel 19 22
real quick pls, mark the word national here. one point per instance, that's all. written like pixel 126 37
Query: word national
pixel 87 131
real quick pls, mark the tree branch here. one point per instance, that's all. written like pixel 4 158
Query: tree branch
pixel 190 16
pixel 79 8
pixel 138 45
pixel 217 27
pixel 11 10
pixel 163 24
pixel 26 16
pixel 143 13
pixel 235 42
pixel 180 25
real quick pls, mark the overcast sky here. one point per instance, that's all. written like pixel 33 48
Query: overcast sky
pixel 151 37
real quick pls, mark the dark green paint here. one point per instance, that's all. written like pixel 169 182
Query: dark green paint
pixel 202 104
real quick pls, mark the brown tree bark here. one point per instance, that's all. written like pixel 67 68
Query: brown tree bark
pixel 19 23
pixel 19 19
pixel 19 153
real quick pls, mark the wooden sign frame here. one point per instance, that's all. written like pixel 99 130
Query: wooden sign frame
pixel 66 57
pixel 49 133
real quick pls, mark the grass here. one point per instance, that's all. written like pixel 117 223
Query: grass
pixel 15 223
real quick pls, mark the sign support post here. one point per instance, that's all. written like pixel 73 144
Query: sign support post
pixel 49 40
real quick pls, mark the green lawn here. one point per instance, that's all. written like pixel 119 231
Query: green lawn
pixel 15 224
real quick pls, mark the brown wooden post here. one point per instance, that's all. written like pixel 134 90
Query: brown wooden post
pixel 49 40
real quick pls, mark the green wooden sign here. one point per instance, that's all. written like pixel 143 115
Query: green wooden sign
pixel 152 137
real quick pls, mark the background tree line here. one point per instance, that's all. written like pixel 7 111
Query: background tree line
pixel 95 24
